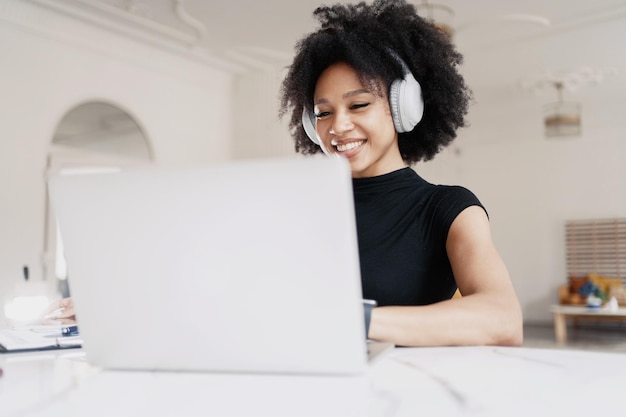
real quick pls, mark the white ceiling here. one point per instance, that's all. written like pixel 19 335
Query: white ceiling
pixel 503 40
pixel 506 43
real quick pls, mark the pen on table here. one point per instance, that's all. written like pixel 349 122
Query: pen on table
pixel 70 331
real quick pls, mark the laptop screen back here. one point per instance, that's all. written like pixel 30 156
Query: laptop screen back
pixel 243 266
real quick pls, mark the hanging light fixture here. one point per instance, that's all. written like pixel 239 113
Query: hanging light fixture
pixel 562 118
pixel 442 16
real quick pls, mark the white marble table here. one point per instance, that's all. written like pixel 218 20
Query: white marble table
pixel 454 381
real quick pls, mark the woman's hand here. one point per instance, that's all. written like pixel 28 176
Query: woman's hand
pixel 60 312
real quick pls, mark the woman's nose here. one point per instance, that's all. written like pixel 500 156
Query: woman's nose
pixel 342 123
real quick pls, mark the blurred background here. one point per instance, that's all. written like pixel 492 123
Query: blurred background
pixel 100 85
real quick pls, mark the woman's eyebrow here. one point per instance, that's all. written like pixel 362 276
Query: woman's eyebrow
pixel 345 95
pixel 355 93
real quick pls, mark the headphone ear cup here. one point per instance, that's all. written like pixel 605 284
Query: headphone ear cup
pixel 406 102
pixel 394 104
pixel 308 123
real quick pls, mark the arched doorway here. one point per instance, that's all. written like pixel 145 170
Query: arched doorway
pixel 92 137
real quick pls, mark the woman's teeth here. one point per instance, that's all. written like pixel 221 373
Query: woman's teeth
pixel 348 146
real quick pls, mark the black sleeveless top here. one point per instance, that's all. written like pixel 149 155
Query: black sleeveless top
pixel 403 223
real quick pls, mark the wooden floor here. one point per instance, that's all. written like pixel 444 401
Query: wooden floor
pixel 608 338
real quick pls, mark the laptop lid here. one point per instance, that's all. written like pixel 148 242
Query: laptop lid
pixel 242 266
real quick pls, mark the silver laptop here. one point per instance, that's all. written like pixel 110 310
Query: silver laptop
pixel 248 266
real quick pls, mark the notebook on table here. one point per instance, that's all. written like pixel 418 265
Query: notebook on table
pixel 247 266
pixel 36 338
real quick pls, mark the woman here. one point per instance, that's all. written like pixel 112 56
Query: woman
pixel 379 85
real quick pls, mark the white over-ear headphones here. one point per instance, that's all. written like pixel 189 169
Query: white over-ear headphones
pixel 308 123
pixel 405 101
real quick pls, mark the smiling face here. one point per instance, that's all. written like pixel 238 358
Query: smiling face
pixel 355 122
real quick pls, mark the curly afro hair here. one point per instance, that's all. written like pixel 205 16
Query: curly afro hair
pixel 361 35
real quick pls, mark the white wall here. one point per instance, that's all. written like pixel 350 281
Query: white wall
pixel 257 130
pixel 51 64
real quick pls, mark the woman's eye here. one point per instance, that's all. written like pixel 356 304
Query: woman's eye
pixel 322 114
pixel 359 106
